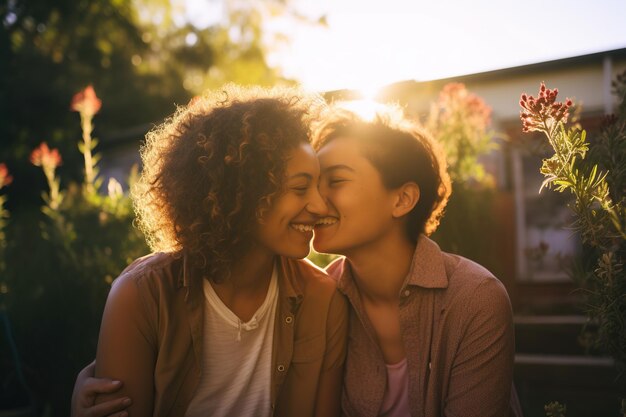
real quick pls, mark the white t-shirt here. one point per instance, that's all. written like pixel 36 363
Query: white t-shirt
pixel 237 359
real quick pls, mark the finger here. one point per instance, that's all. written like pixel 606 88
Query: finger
pixel 95 386
pixel 111 408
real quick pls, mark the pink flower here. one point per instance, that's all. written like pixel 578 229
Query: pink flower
pixel 544 112
pixel 45 157
pixel 86 102
pixel 456 99
pixel 5 178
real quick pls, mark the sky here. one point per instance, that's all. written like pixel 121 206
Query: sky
pixel 371 43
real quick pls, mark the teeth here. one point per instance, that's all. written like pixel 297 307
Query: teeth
pixel 303 227
pixel 327 220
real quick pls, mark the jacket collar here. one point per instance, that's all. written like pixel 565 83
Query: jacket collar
pixel 287 273
pixel 289 286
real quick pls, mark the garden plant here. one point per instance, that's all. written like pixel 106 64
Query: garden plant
pixel 594 172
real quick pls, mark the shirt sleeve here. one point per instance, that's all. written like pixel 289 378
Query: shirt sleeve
pixel 482 372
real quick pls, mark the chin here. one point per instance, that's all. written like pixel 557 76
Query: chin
pixel 298 254
pixel 324 247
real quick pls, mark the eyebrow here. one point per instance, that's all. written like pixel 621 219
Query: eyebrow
pixel 338 166
pixel 301 174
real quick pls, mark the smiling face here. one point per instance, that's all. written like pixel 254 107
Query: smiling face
pixel 286 228
pixel 360 207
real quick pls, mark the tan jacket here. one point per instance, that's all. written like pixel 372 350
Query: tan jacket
pixel 309 335
pixel 457 328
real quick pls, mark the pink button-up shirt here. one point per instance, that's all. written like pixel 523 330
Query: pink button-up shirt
pixel 457 328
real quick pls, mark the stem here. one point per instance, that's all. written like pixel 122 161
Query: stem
pixel 87 129
pixel 54 188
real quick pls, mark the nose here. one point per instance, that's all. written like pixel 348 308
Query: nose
pixel 317 204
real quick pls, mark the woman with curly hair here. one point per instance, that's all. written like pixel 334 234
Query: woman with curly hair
pixel 431 333
pixel 225 318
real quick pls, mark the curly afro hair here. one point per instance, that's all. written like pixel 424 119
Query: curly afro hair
pixel 211 170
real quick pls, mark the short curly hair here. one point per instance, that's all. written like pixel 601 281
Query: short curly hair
pixel 213 168
pixel 400 150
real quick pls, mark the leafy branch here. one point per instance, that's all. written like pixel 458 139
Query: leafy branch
pixel 594 174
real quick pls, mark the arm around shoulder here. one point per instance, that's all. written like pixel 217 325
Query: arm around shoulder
pixel 126 345
pixel 482 373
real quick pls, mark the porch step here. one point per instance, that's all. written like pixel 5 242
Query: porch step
pixel 553 364
pixel 553 334
pixel 585 384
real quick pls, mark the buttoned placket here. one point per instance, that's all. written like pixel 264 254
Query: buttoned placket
pixel 283 343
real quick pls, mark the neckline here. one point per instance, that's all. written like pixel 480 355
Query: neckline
pixel 231 318
pixel 397 365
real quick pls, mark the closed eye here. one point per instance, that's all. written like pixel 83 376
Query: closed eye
pixel 336 181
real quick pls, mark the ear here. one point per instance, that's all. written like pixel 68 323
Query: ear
pixel 407 197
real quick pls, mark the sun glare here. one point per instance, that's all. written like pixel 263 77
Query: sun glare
pixel 366 44
pixel 367 109
pixel 359 50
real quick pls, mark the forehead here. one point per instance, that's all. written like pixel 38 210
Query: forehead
pixel 302 160
pixel 341 150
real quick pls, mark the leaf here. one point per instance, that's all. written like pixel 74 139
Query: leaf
pixel 546 182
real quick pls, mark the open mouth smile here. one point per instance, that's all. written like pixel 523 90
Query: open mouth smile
pixel 300 227
pixel 326 221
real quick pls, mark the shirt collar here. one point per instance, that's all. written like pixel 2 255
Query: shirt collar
pixel 427 268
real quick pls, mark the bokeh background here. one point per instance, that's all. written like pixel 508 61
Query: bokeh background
pixel 457 67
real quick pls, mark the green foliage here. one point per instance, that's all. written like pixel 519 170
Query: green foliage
pixel 62 262
pixel 321 259
pixel 136 54
pixel 555 409
pixel 594 173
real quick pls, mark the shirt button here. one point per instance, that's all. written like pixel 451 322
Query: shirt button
pixel 281 368
pixel 288 319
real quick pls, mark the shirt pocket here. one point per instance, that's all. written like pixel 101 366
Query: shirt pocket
pixel 308 349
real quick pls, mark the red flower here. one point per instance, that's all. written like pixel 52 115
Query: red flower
pixel 544 112
pixel 45 157
pixel 86 102
pixel 5 178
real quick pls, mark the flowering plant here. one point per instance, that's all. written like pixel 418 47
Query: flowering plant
pixel 49 159
pixel 460 120
pixel 87 104
pixel 595 175
pixel 88 239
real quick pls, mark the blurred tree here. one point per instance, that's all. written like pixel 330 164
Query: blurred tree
pixel 142 56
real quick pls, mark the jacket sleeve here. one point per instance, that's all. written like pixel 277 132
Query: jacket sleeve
pixel 328 401
pixel 127 344
pixel 482 371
